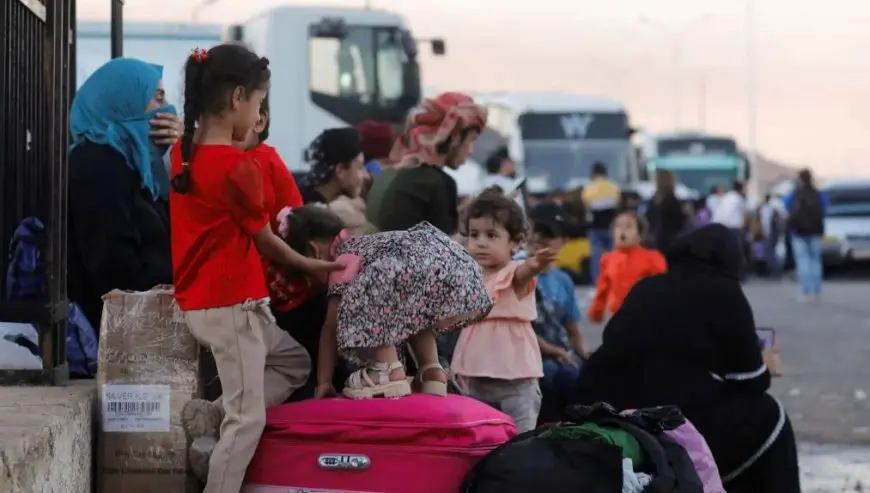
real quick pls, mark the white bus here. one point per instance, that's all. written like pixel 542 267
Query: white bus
pixel 556 138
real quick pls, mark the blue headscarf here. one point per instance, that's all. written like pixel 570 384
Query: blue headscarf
pixel 109 109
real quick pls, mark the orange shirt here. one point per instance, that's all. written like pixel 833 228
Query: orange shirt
pixel 620 271
pixel 214 259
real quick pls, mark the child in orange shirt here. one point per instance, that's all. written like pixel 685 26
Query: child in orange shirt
pixel 621 268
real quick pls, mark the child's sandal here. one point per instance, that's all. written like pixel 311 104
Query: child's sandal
pixel 360 385
pixel 433 387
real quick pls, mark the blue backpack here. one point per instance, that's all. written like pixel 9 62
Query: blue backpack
pixel 25 280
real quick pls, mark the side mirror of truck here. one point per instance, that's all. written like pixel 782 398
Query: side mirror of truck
pixel 329 27
pixel 439 47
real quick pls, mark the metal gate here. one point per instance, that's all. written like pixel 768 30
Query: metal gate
pixel 37 57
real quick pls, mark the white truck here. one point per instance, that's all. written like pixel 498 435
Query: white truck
pixel 330 66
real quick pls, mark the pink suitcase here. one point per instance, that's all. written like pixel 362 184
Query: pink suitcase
pixel 420 443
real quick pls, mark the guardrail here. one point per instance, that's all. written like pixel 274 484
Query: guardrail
pixel 37 71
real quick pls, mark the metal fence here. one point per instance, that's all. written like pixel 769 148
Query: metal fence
pixel 37 71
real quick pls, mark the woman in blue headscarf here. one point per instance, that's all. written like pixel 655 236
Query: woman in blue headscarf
pixel 121 128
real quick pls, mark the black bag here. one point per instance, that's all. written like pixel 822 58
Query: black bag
pixel 530 463
pixel 807 217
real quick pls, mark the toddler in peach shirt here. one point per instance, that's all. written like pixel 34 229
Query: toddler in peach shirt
pixel 499 357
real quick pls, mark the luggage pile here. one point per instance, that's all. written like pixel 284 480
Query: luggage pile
pixel 455 444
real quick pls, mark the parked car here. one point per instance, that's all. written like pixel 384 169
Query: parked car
pixel 847 224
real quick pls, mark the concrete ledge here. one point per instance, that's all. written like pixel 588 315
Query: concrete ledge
pixel 45 438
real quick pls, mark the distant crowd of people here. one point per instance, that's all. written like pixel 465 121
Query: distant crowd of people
pixel 780 234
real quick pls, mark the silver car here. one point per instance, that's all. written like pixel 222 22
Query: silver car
pixel 847 222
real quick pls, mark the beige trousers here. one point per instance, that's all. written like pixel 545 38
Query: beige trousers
pixel 259 365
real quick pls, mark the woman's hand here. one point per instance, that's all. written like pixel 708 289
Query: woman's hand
pixel 771 360
pixel 324 390
pixel 166 128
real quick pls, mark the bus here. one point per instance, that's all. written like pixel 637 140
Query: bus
pixel 330 66
pixel 555 139
pixel 701 161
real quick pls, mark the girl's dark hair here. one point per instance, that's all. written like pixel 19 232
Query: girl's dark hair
pixel 209 80
pixel 264 108
pixel 502 210
pixel 311 222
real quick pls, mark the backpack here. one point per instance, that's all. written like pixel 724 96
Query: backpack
pixel 806 217
pixel 25 281
pixel 533 462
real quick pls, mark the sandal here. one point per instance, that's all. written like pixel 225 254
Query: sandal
pixel 433 387
pixel 360 385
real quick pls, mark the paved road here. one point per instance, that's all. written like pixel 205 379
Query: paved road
pixel 825 351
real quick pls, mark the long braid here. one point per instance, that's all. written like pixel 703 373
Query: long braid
pixel 193 71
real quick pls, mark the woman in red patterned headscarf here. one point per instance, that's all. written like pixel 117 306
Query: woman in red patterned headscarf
pixel 440 133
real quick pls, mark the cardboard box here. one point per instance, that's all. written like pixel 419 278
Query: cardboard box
pixel 149 364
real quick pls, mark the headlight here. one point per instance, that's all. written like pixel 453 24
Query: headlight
pixel 831 241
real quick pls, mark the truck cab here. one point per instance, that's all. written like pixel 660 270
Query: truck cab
pixel 333 67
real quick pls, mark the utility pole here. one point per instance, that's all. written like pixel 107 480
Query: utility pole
pixel 702 102
pixel 751 103
pixel 117 28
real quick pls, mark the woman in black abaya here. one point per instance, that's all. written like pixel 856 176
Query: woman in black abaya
pixel 688 338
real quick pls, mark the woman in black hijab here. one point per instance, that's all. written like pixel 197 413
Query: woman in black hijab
pixel 688 338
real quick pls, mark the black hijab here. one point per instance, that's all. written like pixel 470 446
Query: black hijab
pixel 711 249
pixel 334 146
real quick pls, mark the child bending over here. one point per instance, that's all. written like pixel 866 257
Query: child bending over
pixel 220 228
pixel 499 357
pixel 621 268
pixel 397 286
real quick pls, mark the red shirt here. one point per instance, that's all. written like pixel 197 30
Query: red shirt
pixel 279 187
pixel 214 259
pixel 279 191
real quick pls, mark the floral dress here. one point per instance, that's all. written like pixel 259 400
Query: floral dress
pixel 399 283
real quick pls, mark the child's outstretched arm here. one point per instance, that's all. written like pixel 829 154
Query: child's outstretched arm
pixel 533 266
pixel 327 351
pixel 602 288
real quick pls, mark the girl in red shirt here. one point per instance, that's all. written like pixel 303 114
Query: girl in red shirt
pixel 219 230
pixel 620 270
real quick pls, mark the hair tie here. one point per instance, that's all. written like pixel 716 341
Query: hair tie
pixel 199 55
pixel 284 221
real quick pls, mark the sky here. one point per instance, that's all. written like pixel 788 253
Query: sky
pixel 673 63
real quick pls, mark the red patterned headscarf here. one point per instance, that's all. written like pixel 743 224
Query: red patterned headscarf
pixel 433 124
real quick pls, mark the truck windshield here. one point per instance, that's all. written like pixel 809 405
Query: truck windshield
pixel 368 74
pixel 704 180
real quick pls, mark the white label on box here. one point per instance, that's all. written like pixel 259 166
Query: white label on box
pixel 136 408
